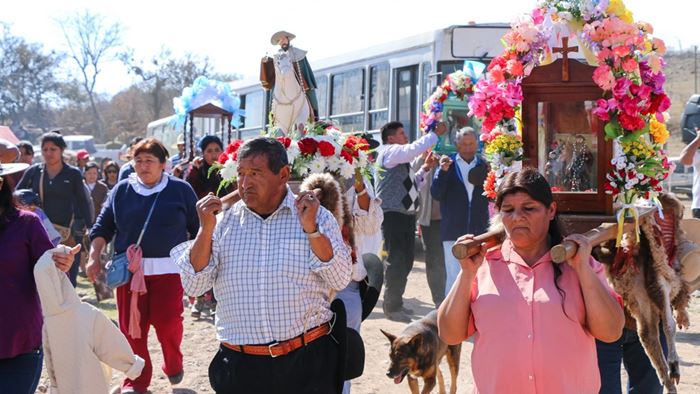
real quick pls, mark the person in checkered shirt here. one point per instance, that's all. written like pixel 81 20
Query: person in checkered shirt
pixel 273 260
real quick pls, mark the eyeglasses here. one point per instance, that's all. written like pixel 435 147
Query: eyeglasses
pixel 111 172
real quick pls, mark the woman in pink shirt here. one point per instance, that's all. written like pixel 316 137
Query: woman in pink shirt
pixel 535 322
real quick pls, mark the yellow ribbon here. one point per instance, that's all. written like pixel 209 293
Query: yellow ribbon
pixel 621 221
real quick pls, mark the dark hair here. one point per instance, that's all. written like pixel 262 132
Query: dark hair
pixel 272 149
pixel 210 139
pixel 390 129
pixel 27 146
pixel 53 138
pixel 532 183
pixel 90 165
pixel 135 141
pixel 152 146
pixel 7 203
pixel 107 166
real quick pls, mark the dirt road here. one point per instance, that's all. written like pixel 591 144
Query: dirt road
pixel 200 344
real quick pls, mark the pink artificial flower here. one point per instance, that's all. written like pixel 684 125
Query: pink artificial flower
pixel 537 16
pixel 604 77
pixel 659 46
pixel 621 87
pixel 514 68
pixel 630 65
pixel 496 74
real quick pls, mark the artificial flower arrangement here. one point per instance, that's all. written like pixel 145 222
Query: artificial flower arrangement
pixel 459 84
pixel 629 71
pixel 320 148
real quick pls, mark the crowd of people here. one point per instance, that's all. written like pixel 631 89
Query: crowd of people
pixel 269 262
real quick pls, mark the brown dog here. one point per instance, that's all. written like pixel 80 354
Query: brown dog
pixel 418 351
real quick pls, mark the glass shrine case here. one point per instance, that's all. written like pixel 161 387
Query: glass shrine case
pixel 563 139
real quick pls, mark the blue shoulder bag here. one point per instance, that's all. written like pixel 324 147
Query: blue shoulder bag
pixel 117 270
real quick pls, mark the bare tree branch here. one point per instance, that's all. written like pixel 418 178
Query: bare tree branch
pixel 91 41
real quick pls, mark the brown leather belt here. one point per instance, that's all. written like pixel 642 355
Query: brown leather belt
pixel 277 349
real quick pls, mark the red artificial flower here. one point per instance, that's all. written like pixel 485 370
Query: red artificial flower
pixel 223 157
pixel 307 146
pixel 233 146
pixel 631 123
pixel 326 148
pixel 346 155
pixel 232 149
pixel 286 141
pixel 498 61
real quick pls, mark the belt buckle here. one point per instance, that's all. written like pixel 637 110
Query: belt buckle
pixel 270 346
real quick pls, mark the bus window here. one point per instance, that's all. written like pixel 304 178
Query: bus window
pixel 253 104
pixel 406 96
pixel 322 95
pixel 347 100
pixel 378 96
pixel 427 82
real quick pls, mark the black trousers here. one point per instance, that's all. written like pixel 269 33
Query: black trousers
pixel 434 260
pixel 399 241
pixel 312 369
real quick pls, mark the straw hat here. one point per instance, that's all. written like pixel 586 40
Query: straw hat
pixel 8 154
pixel 689 253
pixel 276 37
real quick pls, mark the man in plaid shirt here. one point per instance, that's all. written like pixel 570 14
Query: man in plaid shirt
pixel 273 260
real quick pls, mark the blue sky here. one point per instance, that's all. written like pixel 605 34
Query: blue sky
pixel 235 34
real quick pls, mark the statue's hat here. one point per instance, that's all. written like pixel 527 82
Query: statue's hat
pixel 8 154
pixel 276 37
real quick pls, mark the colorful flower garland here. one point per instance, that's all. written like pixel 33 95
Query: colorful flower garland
pixel 629 70
pixel 459 83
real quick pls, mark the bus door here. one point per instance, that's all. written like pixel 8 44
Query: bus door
pixel 406 94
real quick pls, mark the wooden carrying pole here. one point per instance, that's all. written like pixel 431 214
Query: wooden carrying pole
pixel 560 253
pixel 464 249
pixel 567 249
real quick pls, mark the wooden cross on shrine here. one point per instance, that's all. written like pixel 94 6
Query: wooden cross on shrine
pixel 564 50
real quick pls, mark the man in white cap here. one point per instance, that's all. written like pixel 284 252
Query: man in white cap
pixel 288 74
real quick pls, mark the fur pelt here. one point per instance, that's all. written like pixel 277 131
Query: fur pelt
pixel 651 289
pixel 333 199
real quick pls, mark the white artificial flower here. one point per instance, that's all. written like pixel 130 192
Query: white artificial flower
pixel 293 152
pixel 566 16
pixel 347 170
pixel 229 170
pixel 334 163
pixel 363 161
pixel 317 165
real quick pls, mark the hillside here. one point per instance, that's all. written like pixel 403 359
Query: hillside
pixel 680 85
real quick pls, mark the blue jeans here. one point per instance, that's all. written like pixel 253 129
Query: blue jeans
pixel 628 350
pixel 20 374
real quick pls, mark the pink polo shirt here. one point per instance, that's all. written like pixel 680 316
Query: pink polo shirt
pixel 524 342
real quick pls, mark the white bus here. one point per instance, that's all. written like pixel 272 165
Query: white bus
pixel 362 90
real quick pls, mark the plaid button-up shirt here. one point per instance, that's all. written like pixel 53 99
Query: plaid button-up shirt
pixel 268 283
